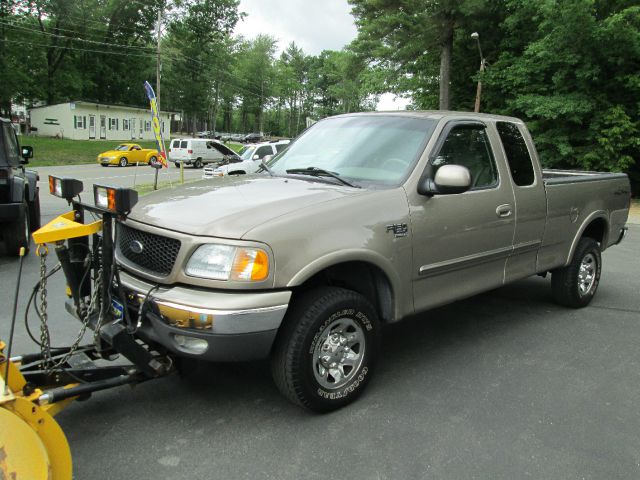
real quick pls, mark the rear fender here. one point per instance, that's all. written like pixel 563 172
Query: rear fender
pixel 599 214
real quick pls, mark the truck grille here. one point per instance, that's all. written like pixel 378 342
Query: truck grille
pixel 158 253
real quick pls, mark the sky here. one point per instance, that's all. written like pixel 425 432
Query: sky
pixel 314 25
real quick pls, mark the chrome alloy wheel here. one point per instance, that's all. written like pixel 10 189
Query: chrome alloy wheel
pixel 587 274
pixel 338 353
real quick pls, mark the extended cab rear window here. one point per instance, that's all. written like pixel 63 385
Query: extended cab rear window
pixel 518 157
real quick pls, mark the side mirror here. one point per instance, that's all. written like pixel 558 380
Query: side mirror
pixel 449 179
pixel 26 153
pixel 256 157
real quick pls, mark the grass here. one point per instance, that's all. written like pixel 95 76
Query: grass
pixel 54 151
pixel 145 188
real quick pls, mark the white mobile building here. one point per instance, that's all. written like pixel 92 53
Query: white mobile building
pixel 88 121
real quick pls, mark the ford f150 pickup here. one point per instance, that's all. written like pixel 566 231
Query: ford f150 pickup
pixel 364 220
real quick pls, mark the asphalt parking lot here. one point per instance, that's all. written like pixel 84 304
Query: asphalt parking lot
pixel 503 385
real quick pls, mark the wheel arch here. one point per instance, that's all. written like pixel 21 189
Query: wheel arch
pixel 595 226
pixel 370 276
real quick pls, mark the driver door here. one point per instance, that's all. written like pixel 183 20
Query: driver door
pixel 462 241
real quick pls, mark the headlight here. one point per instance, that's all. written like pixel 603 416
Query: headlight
pixel 225 262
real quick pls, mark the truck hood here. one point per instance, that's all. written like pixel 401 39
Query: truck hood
pixel 228 207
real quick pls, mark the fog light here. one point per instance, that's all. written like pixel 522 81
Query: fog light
pixel 197 346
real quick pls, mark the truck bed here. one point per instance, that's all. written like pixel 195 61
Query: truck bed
pixel 574 200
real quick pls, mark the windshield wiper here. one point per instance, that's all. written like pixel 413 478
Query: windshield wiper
pixel 318 172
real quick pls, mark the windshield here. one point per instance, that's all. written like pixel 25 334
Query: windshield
pixel 247 152
pixel 364 149
pixel 122 148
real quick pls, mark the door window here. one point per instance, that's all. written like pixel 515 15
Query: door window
pixel 11 144
pixel 263 151
pixel 183 144
pixel 518 157
pixel 468 145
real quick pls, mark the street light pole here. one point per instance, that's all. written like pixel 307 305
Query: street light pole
pixel 476 36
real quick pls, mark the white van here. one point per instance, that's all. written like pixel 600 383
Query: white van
pixel 198 152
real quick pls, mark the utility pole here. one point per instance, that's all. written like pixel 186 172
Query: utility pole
pixel 476 36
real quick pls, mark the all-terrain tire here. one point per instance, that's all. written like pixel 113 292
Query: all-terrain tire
pixel 331 327
pixel 17 234
pixel 575 285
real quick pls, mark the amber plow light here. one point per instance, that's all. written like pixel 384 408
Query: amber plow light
pixel 66 188
pixel 115 199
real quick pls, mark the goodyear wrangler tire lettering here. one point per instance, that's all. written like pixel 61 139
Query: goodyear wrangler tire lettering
pixel 326 348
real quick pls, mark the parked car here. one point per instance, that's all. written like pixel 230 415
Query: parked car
pixel 249 160
pixel 251 138
pixel 19 192
pixel 199 152
pixel 364 220
pixel 128 154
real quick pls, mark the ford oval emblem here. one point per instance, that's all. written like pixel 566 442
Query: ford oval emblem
pixel 136 247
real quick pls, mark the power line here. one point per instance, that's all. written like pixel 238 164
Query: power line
pixel 65 37
pixel 106 52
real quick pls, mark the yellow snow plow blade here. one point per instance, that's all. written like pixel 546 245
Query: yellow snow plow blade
pixel 32 444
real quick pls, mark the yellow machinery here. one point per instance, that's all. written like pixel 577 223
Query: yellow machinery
pixel 34 387
pixel 32 444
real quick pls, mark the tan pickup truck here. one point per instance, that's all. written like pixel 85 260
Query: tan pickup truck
pixel 364 220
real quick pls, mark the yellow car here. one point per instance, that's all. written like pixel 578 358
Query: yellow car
pixel 128 154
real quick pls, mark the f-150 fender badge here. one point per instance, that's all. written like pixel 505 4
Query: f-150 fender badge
pixel 398 229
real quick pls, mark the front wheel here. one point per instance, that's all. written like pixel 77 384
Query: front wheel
pixel 123 162
pixel 325 352
pixel 17 233
pixel 576 284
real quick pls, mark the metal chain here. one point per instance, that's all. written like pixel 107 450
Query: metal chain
pixel 85 323
pixel 45 337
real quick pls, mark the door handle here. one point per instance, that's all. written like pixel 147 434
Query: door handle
pixel 504 210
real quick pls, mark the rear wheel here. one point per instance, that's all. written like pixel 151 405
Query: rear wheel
pixel 576 284
pixel 152 160
pixel 17 233
pixel 325 352
pixel 197 163
pixel 123 162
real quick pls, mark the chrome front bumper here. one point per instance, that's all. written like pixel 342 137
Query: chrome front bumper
pixel 235 325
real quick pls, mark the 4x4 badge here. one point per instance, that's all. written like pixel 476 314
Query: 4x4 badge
pixel 398 229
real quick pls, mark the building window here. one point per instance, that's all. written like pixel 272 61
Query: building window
pixel 125 124
pixel 113 124
pixel 79 122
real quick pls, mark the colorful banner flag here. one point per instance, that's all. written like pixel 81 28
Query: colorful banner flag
pixel 155 123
